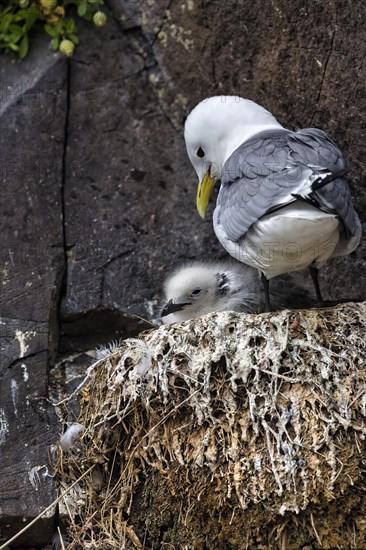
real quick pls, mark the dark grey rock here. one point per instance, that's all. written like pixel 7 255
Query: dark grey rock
pixel 88 331
pixel 129 190
pixel 33 111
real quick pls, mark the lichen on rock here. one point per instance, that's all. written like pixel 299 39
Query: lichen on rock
pixel 228 431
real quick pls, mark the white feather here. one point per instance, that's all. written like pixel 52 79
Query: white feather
pixel 226 286
pixel 288 240
pixel 70 437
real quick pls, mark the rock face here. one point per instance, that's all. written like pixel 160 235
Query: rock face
pixel 98 196
pixel 33 114
pixel 228 431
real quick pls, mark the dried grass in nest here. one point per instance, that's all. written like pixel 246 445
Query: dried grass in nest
pixel 245 431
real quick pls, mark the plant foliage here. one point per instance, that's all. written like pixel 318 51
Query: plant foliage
pixel 19 17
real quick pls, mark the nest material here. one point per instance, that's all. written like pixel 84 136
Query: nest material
pixel 226 432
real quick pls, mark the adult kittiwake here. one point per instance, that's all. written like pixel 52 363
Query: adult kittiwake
pixel 198 288
pixel 283 204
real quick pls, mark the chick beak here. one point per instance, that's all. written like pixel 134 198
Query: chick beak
pixel 171 308
pixel 204 191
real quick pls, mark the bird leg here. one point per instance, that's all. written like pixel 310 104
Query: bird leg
pixel 265 283
pixel 328 303
pixel 314 272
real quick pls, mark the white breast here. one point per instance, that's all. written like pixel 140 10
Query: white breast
pixel 287 240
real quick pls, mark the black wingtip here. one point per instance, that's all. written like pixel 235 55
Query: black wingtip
pixel 308 200
pixel 321 182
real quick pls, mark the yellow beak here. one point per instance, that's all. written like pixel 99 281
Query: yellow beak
pixel 204 191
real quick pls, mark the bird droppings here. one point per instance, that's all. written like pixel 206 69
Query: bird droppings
pixel 34 477
pixel 4 427
pixel 23 366
pixel 14 394
pixel 244 432
pixel 23 346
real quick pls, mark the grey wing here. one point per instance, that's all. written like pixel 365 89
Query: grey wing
pixel 276 168
pixel 321 154
pixel 313 148
pixel 256 179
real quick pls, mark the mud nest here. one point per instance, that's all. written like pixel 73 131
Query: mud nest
pixel 230 431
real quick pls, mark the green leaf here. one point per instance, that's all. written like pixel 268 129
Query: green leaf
pixel 6 10
pixel 55 43
pixel 14 47
pixel 13 28
pixel 70 26
pixel 89 14
pixel 82 9
pixel 6 37
pixel 50 30
pixel 58 27
pixel 74 38
pixel 5 21
pixel 26 12
pixel 24 46
pixel 15 37
pixel 31 18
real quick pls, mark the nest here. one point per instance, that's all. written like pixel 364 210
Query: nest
pixel 230 431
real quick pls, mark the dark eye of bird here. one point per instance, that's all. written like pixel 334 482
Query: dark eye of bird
pixel 200 153
pixel 196 292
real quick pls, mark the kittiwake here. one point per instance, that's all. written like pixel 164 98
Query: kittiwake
pixel 283 204
pixel 198 288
